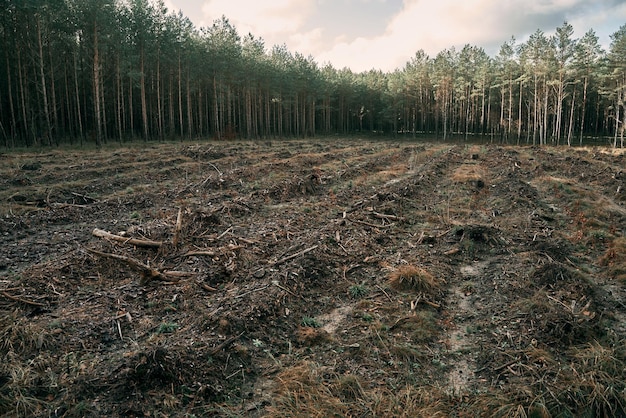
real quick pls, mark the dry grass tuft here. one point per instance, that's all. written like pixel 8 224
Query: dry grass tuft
pixel 468 173
pixel 595 382
pixel 414 278
pixel 312 336
pixel 615 259
pixel 307 390
pixel 303 391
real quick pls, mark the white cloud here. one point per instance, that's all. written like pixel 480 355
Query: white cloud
pixel 307 43
pixel 272 20
pixel 436 25
pixel 334 30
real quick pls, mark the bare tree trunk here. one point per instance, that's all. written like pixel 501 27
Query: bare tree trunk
pixel 53 100
pixel 46 109
pixel 159 98
pixel 200 118
pixel 105 133
pixel 519 111
pixel 510 114
pixel 119 94
pixel 216 110
pixel 180 97
pixel 617 118
pixel 545 113
pixel 68 123
pixel 571 121
pixel 79 117
pixel 142 90
pixel 96 86
pixel 189 108
pixel 535 113
pixel 13 132
pixel 172 118
pixel 559 110
pixel 584 105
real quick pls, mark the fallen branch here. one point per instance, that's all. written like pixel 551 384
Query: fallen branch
pixel 132 241
pixel 16 299
pixel 148 273
pixel 298 254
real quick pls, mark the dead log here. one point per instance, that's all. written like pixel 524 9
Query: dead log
pixel 132 241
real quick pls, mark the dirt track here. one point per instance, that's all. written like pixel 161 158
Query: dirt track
pixel 312 278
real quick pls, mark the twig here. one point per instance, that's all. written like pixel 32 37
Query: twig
pixel 119 330
pixel 399 322
pixel 369 224
pixel 216 169
pixel 27 302
pixel 384 216
pixel 220 236
pixel 206 287
pixel 132 241
pixel 178 274
pixel 386 294
pixel 251 291
pixel 225 344
pixel 497 369
pixel 84 197
pixel 275 283
pixel 298 254
pixel 205 253
pixel 247 241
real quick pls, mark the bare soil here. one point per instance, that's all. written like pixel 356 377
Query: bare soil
pixel 313 278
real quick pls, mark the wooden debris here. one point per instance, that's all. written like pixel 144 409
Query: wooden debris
pixel 132 241
pixel 179 226
pixel 225 344
pixel 298 254
pixel 369 224
pixel 148 273
pixel 16 299
pixel 206 287
pixel 387 217
pixel 200 253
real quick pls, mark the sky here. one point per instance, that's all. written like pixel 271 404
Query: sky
pixel 386 34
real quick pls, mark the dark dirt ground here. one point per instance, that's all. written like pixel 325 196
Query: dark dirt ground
pixel 313 278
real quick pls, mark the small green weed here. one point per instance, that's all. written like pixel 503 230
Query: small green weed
pixel 358 291
pixel 167 328
pixel 308 321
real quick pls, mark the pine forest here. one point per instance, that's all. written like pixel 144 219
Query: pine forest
pixel 99 71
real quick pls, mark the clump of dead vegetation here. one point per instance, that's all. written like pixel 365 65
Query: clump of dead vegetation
pixel 615 259
pixel 311 390
pixel 414 278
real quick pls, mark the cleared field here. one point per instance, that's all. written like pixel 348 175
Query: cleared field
pixel 313 278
